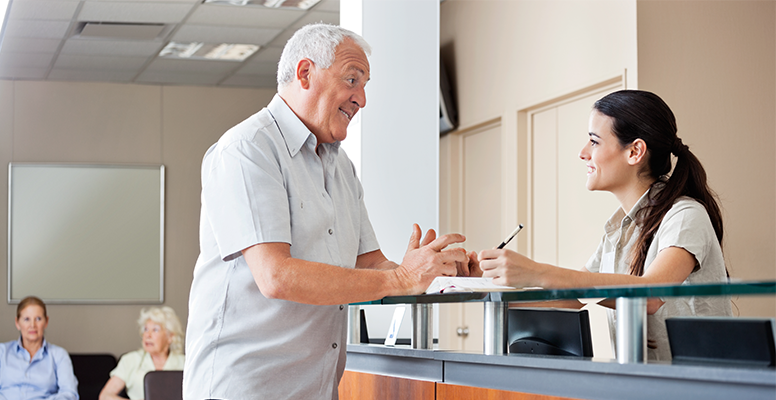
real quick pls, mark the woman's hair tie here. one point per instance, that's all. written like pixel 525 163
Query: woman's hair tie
pixel 678 147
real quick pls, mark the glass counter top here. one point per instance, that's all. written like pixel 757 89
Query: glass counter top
pixel 741 288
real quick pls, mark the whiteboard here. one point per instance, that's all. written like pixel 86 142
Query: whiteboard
pixel 86 233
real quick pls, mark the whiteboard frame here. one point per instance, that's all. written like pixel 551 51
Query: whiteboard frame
pixel 49 300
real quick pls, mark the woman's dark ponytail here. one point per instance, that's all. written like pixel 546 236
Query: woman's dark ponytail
pixel 643 115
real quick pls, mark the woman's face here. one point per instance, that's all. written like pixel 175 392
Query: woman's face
pixel 31 323
pixel 156 340
pixel 605 159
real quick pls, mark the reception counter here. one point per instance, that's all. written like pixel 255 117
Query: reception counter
pixel 419 374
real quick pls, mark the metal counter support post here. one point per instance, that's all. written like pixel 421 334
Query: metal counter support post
pixel 422 326
pixel 495 328
pixel 354 324
pixel 631 330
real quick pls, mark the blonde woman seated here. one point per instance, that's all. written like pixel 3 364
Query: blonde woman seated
pixel 162 338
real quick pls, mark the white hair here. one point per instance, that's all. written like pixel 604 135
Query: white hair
pixel 316 42
pixel 164 316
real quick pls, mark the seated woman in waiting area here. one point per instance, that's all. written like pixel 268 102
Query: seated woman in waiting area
pixel 31 367
pixel 162 339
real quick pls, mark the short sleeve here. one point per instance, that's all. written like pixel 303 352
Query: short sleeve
pixel 244 198
pixel 687 226
pixel 126 364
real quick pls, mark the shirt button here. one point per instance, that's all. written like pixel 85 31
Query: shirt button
pixel 334 345
pixel 331 231
pixel 342 307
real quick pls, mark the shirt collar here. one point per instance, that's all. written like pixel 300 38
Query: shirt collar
pixel 620 219
pixel 291 127
pixel 294 131
pixel 19 346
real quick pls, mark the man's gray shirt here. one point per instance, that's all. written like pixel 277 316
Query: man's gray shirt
pixel 263 182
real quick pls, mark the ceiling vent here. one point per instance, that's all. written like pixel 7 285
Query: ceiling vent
pixel 121 30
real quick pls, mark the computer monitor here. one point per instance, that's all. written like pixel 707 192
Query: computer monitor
pixel 549 331
pixel 728 340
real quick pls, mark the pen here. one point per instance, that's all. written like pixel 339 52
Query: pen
pixel 511 235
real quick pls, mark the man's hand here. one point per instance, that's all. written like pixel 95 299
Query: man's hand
pixel 472 268
pixel 427 259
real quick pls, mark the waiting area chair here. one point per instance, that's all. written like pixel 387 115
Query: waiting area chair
pixel 92 372
pixel 163 385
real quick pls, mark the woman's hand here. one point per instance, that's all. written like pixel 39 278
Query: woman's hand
pixel 509 268
pixel 472 268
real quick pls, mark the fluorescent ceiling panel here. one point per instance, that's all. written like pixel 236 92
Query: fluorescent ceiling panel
pixel 298 4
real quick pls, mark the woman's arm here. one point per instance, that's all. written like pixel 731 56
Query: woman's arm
pixel 506 267
pixel 66 381
pixel 112 388
pixel 671 266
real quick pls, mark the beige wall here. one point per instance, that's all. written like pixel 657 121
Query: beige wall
pixel 712 61
pixel 115 123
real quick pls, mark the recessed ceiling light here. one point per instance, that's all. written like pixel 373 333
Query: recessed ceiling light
pixel 208 51
pixel 299 4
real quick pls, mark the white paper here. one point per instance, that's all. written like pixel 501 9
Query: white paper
pixel 393 329
pixel 450 284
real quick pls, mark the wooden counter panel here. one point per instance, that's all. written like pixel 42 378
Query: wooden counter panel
pixel 360 386
pixel 455 392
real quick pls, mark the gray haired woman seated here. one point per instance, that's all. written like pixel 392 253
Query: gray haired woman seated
pixel 162 340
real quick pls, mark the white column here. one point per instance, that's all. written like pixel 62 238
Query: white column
pixel 399 127
pixel 395 143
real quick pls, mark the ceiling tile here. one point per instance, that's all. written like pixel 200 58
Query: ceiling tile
pixel 181 78
pixel 111 47
pixel 265 54
pixel 250 16
pixel 28 45
pixel 192 66
pixel 47 10
pixel 258 81
pixel 259 68
pixel 145 1
pixel 281 39
pixel 36 29
pixel 149 12
pixel 317 16
pixel 73 61
pixel 33 60
pixel 328 5
pixel 223 34
pixel 91 75
pixel 23 73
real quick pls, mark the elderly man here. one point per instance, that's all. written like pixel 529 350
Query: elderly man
pixel 285 239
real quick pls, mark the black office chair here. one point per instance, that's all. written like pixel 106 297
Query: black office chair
pixel 163 385
pixel 92 371
pixel 727 340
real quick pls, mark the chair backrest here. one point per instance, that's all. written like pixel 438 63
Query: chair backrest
pixel 163 385
pixel 92 372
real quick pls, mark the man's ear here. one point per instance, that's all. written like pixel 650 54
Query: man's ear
pixel 303 71
pixel 637 151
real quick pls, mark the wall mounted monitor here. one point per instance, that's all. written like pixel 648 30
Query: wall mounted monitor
pixel 86 233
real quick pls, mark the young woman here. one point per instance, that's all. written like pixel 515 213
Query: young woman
pixel 31 367
pixel 668 229
pixel 162 339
